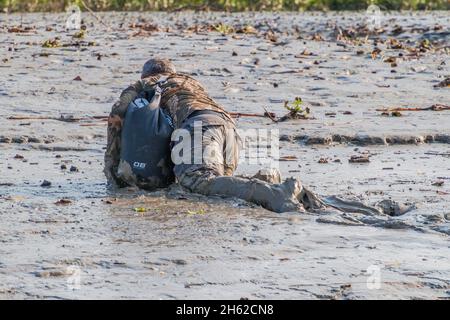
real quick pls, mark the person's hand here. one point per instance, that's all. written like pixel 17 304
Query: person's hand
pixel 115 122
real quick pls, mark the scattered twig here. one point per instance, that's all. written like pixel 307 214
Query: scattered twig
pixel 359 159
pixel 240 114
pixel 438 154
pixel 92 124
pixel 62 118
pixel 434 107
pixel 270 115
pixel 95 15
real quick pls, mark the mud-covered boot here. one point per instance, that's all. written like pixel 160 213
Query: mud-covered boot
pixel 284 197
pixel 272 176
pixel 393 208
pixel 310 200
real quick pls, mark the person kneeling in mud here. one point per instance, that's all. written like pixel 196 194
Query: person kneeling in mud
pixel 208 168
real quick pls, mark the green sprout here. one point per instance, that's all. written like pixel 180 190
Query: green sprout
pixel 51 43
pixel 296 110
pixel 80 34
pixel 224 29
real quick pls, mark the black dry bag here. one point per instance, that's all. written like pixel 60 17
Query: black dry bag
pixel 145 147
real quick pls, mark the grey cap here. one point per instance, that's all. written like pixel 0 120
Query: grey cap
pixel 156 66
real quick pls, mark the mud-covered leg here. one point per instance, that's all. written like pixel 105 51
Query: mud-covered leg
pixel 351 206
pixel 275 197
pixel 384 207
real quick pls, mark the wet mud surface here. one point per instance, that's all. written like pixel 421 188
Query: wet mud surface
pixel 58 216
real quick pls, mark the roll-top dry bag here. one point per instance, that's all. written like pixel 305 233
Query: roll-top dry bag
pixel 145 144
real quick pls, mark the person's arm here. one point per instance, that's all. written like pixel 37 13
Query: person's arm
pixel 127 96
pixel 112 154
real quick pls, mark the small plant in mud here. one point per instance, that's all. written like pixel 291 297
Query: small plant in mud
pixel 52 43
pixel 296 109
pixel 196 212
pixel 80 34
pixel 425 45
pixel 224 28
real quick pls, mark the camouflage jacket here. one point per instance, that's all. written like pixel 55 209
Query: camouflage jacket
pixel 181 96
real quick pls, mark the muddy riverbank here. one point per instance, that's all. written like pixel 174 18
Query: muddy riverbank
pixel 72 238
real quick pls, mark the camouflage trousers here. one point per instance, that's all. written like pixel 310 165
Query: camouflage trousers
pixel 209 143
pixel 209 164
